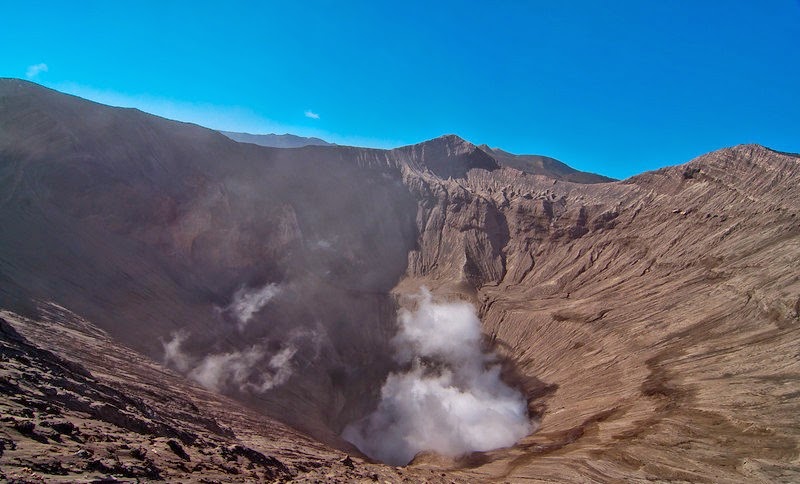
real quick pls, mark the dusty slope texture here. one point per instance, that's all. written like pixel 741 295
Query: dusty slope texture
pixel 543 165
pixel 151 228
pixel 147 226
pixel 276 140
pixel 130 419
pixel 654 322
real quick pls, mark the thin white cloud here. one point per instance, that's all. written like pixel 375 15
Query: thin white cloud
pixel 311 114
pixel 35 70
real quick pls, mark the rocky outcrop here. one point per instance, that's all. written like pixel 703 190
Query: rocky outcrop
pixel 49 431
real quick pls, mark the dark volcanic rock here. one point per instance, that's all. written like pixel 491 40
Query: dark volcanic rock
pixel 62 427
pixel 175 447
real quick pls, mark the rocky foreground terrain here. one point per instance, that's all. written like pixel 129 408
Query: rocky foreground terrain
pixel 652 323
pixel 131 419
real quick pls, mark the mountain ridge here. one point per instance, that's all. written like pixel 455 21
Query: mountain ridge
pixel 273 140
pixel 562 171
pixel 544 165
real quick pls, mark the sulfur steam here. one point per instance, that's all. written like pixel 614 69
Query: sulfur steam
pixel 252 370
pixel 245 369
pixel 450 400
pixel 248 301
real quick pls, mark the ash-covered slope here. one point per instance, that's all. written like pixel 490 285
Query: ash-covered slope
pixel 651 323
pixel 164 233
pixel 150 228
pixel 130 418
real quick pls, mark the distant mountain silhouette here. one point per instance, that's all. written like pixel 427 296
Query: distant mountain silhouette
pixel 276 140
pixel 543 165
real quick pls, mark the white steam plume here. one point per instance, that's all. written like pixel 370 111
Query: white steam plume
pixel 451 401
pixel 249 370
pixel 173 353
pixel 242 370
pixel 247 301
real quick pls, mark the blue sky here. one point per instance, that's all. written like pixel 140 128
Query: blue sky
pixel 614 87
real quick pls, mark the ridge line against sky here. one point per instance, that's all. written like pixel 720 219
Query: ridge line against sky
pixel 615 88
pixel 239 119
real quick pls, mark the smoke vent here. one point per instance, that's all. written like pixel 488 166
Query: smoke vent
pixel 448 398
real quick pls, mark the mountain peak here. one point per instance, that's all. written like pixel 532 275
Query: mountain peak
pixel 448 156
pixel 450 139
pixel 451 142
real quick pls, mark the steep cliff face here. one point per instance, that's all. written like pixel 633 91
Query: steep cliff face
pixel 652 323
